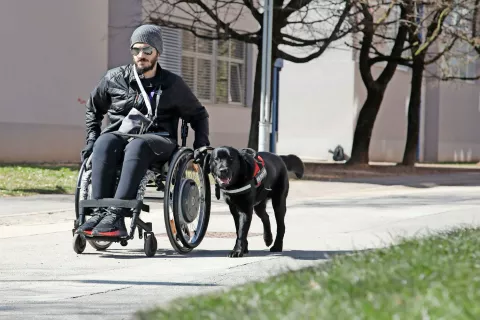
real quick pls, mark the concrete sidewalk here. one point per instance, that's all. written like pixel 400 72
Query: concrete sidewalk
pixel 299 190
pixel 42 278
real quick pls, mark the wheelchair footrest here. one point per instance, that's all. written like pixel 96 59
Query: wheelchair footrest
pixel 108 202
pixel 111 239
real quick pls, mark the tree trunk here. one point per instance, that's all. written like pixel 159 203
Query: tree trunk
pixel 413 119
pixel 255 114
pixel 364 127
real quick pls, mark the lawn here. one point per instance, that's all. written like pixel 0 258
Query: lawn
pixel 22 180
pixel 436 277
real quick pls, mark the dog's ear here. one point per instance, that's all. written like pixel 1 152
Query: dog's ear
pixel 248 162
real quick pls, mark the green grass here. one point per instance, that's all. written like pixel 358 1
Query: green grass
pixel 437 277
pixel 22 180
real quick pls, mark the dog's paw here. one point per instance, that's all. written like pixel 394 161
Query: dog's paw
pixel 235 254
pixel 239 250
pixel 276 248
pixel 268 238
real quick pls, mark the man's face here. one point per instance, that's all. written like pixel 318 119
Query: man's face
pixel 144 56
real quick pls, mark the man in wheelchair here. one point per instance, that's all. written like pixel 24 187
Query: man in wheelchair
pixel 144 103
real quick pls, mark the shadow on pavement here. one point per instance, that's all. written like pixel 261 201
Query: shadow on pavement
pixel 168 254
pixel 120 282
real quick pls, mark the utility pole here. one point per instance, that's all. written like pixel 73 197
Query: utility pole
pixel 265 123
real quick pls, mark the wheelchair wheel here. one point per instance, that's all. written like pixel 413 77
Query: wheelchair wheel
pixel 186 202
pixel 79 195
pixel 79 244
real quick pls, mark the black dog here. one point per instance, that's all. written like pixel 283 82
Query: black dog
pixel 248 180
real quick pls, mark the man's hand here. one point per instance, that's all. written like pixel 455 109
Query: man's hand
pixel 87 151
pixel 199 155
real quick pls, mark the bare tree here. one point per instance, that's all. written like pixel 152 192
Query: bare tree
pixel 302 29
pixel 373 19
pixel 431 37
pixel 442 37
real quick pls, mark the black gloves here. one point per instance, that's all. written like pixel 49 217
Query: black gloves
pixel 199 155
pixel 202 157
pixel 87 151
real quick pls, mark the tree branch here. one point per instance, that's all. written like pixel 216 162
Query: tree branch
pixel 335 35
pixel 224 30
pixel 293 6
pixel 397 50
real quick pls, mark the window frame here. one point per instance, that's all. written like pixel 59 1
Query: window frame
pixel 215 58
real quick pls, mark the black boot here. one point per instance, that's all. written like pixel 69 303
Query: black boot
pixel 112 225
pixel 96 217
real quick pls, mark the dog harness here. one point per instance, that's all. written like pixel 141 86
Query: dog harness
pixel 259 174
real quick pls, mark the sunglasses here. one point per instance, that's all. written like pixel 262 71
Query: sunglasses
pixel 147 50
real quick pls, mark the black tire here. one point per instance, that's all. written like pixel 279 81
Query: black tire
pixel 150 245
pixel 79 243
pixel 100 245
pixel 171 207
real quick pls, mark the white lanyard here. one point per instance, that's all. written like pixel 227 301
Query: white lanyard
pixel 145 96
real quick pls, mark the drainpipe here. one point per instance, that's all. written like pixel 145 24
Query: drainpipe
pixel 421 137
pixel 275 93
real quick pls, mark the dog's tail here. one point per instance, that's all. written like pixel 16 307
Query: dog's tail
pixel 294 164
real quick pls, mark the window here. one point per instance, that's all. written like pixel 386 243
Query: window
pixel 214 70
pixel 197 58
pixel 230 75
pixel 460 61
pixel 171 46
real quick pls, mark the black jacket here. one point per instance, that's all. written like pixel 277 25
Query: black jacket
pixel 117 93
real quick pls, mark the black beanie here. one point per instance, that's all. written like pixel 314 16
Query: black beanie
pixel 150 34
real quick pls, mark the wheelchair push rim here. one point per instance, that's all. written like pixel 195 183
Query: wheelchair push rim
pixel 186 202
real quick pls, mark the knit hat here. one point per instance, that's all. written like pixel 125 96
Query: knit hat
pixel 150 34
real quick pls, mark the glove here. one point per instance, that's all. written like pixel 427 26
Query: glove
pixel 199 155
pixel 87 151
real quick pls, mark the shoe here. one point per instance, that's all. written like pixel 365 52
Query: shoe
pixel 112 225
pixel 96 217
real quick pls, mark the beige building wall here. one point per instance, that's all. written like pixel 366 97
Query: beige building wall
pixel 53 52
pixel 459 118
pixel 320 101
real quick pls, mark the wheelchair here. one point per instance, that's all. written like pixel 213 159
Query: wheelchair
pixel 186 203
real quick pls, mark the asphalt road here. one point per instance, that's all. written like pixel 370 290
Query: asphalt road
pixel 41 277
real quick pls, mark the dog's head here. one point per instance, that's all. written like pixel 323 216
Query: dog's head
pixel 229 165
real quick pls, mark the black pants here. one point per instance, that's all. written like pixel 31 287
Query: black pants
pixel 109 152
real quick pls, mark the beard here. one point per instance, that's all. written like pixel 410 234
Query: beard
pixel 146 67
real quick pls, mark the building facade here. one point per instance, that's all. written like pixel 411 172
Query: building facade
pixel 59 50
pixel 320 101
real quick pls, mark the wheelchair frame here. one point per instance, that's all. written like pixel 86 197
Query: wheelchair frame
pixel 156 175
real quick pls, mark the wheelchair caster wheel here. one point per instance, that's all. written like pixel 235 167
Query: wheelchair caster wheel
pixel 124 243
pixel 79 243
pixel 150 244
